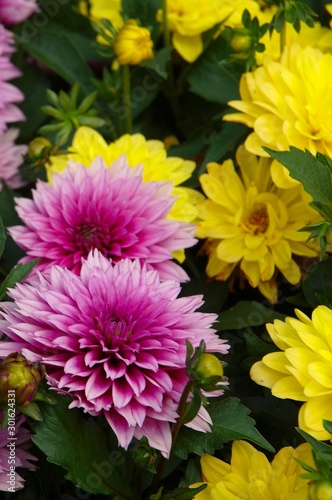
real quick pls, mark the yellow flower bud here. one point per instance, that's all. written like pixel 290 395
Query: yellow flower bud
pixel 20 375
pixel 209 366
pixel 320 490
pixel 133 44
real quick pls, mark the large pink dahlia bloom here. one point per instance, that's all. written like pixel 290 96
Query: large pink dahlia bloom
pixel 16 11
pixel 9 94
pixel 22 458
pixel 11 157
pixel 106 208
pixel 113 337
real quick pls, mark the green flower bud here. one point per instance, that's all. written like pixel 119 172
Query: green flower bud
pixel 144 456
pixel 209 366
pixel 20 375
pixel 37 147
pixel 320 490
pixel 241 43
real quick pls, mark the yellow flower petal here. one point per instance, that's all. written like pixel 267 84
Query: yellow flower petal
pixel 263 375
pixel 231 250
pixel 213 469
pixel 288 388
pixel 312 414
pixel 189 47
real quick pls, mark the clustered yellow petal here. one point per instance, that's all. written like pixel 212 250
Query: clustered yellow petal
pixel 250 476
pixel 302 370
pixel 157 166
pixel 250 222
pixel 188 20
pixel 133 44
pixel 287 103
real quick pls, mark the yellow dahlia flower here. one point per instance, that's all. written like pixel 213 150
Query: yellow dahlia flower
pixel 133 44
pixel 251 223
pixel 188 20
pixel 287 103
pixel 157 166
pixel 303 369
pixel 250 475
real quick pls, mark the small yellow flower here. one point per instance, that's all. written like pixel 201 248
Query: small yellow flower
pixel 133 44
pixel 188 20
pixel 302 370
pixel 287 103
pixel 251 223
pixel 157 166
pixel 250 475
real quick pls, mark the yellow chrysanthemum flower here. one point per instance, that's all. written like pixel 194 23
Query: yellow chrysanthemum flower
pixel 188 20
pixel 287 103
pixel 251 223
pixel 250 475
pixel 133 44
pixel 157 166
pixel 303 369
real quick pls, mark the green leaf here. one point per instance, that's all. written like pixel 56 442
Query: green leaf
pixel 317 283
pixel 78 444
pixel 145 86
pixel 32 410
pixel 212 78
pixel 313 174
pixel 230 421
pixel 12 253
pixel 223 142
pixel 63 44
pixel 2 237
pixel 33 84
pixel 327 425
pixel 159 62
pixel 183 493
pixel 322 450
pixel 17 274
pixel 246 313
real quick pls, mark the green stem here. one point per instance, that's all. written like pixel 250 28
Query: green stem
pixel 167 39
pixel 127 98
pixel 175 431
pixel 181 411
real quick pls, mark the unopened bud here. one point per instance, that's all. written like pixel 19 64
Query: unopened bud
pixel 320 490
pixel 241 43
pixel 144 456
pixel 37 147
pixel 20 375
pixel 209 366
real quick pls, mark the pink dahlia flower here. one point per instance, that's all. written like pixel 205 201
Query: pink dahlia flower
pixel 16 11
pixel 9 94
pixel 106 208
pixel 22 457
pixel 11 157
pixel 113 337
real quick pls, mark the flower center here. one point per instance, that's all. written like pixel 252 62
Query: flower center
pixel 258 221
pixel 116 330
pixel 89 237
